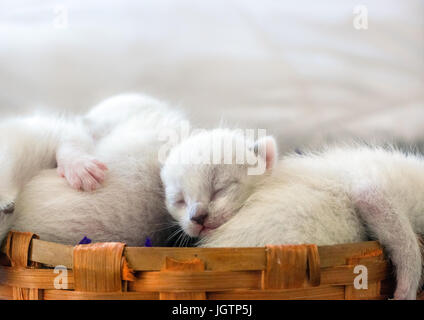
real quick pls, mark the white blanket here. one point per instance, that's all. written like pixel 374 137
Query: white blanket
pixel 300 70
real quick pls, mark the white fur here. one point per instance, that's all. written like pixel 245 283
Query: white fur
pixel 339 195
pixel 122 132
pixel 28 145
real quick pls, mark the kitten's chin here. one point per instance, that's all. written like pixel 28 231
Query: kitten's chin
pixel 193 230
pixel 205 232
pixel 199 231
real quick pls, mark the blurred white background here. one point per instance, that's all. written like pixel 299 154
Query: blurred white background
pixel 297 68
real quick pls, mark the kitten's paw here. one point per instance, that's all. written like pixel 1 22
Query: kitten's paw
pixel 404 293
pixel 83 174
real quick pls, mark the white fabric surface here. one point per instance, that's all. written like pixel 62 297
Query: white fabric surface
pixel 297 68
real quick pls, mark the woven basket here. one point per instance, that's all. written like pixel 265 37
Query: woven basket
pixel 113 271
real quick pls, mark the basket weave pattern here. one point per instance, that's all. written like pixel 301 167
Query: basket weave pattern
pixel 113 271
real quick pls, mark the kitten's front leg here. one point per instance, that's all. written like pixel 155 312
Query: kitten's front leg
pixel 82 172
pixel 76 164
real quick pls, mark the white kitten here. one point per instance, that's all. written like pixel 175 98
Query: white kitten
pixel 121 131
pixel 324 198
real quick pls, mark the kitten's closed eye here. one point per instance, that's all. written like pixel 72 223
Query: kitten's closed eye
pixel 220 191
pixel 217 193
pixel 180 202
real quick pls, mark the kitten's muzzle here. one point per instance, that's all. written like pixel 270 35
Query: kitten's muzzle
pixel 198 214
pixel 199 219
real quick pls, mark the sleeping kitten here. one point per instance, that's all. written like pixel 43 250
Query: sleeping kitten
pixel 121 131
pixel 337 196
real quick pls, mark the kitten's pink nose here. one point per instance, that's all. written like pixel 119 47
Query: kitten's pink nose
pixel 199 216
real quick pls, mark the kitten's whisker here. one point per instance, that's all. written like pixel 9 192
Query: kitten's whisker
pixel 178 242
pixel 166 228
pixel 186 239
pixel 174 234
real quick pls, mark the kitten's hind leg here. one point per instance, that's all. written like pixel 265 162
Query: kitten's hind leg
pixel 8 195
pixel 7 208
pixel 8 189
pixel 395 233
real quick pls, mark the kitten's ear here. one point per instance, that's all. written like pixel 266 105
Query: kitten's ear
pixel 267 149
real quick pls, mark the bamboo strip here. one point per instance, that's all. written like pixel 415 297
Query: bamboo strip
pixel 97 267
pixel 217 259
pixel 51 254
pixel 314 266
pixel 172 265
pixel 31 278
pixel 17 250
pixel 286 267
pixel 6 292
pixel 371 293
pixel 78 295
pixel 310 293
pixel 17 247
pixel 184 281
pixel 344 275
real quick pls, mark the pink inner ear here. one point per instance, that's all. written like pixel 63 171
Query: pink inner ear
pixel 270 152
pixel 268 146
